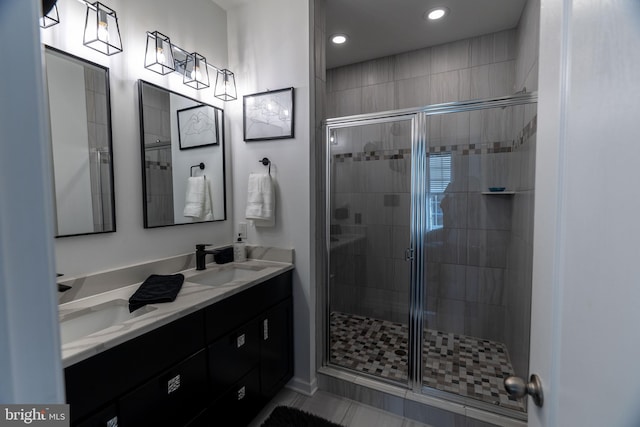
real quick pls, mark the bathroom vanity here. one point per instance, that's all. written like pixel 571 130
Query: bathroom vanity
pixel 214 356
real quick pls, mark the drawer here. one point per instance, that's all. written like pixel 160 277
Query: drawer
pixel 230 313
pixel 107 417
pixel 240 404
pixel 172 398
pixel 232 357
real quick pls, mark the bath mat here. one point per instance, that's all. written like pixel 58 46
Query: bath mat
pixel 283 416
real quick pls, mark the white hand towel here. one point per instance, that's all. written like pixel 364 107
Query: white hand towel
pixel 207 213
pixel 194 204
pixel 261 200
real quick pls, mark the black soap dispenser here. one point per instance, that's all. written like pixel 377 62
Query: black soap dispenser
pixel 239 250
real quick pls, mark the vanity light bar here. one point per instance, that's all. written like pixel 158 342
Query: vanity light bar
pixel 163 57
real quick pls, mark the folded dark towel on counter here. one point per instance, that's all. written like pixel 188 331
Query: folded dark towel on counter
pixel 156 289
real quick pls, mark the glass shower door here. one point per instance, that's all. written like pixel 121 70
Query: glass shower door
pixel 369 278
pixel 478 251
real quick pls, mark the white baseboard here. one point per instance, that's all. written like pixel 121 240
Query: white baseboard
pixel 304 387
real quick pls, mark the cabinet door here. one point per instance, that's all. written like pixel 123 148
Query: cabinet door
pixel 276 345
pixel 172 398
pixel 232 357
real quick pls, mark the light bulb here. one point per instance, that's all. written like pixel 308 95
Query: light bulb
pixel 195 74
pixel 160 55
pixel 103 27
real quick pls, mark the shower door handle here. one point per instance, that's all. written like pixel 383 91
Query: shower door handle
pixel 516 387
pixel 408 254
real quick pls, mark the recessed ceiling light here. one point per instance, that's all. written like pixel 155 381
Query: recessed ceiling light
pixel 437 13
pixel 339 38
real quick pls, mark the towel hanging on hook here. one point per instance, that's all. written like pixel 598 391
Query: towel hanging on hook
pixel 265 161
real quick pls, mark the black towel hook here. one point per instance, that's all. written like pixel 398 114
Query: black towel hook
pixel 265 161
pixel 201 166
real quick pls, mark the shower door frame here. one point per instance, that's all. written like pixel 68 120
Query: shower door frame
pixel 418 229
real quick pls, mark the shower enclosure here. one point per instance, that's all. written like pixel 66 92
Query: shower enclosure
pixel 429 241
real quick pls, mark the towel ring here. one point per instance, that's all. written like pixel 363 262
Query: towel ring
pixel 201 166
pixel 265 161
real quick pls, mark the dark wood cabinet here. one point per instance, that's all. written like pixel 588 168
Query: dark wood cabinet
pixel 171 398
pixel 223 362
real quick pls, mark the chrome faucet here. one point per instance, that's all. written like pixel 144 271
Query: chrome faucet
pixel 201 255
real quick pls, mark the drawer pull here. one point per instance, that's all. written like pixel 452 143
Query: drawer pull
pixel 173 384
pixel 240 341
pixel 265 329
pixel 242 393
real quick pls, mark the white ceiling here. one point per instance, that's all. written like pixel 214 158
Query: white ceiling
pixel 378 28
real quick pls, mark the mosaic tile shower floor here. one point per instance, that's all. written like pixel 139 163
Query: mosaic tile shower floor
pixel 455 363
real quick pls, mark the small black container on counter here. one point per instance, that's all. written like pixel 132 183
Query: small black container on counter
pixel 223 255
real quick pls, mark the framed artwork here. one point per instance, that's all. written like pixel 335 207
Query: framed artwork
pixel 197 127
pixel 268 115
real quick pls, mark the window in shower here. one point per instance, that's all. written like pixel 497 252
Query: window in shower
pixel 439 179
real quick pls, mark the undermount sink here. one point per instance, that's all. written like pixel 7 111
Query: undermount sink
pixel 220 276
pixel 84 322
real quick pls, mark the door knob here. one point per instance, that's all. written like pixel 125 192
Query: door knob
pixel 516 387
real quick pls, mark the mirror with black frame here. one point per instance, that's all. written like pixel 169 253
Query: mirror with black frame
pixel 183 168
pixel 81 147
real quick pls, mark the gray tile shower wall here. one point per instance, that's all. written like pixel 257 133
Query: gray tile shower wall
pixel 478 67
pixel 158 158
pixel 371 174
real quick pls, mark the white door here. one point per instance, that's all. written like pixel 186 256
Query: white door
pixel 585 342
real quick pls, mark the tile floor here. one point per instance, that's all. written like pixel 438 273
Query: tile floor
pixel 345 412
pixel 460 364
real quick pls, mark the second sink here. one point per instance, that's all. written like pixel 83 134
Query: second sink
pixel 220 276
pixel 80 323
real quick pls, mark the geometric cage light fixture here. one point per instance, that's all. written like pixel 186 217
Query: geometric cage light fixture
pixel 50 18
pixel 163 57
pixel 101 30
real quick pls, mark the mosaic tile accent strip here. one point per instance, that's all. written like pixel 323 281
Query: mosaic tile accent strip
pixel 485 148
pixel 455 363
pixel 374 155
pixel 150 164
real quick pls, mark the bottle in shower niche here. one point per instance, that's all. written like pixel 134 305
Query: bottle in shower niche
pixel 239 250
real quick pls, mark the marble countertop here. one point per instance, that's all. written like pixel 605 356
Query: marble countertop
pixel 192 297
